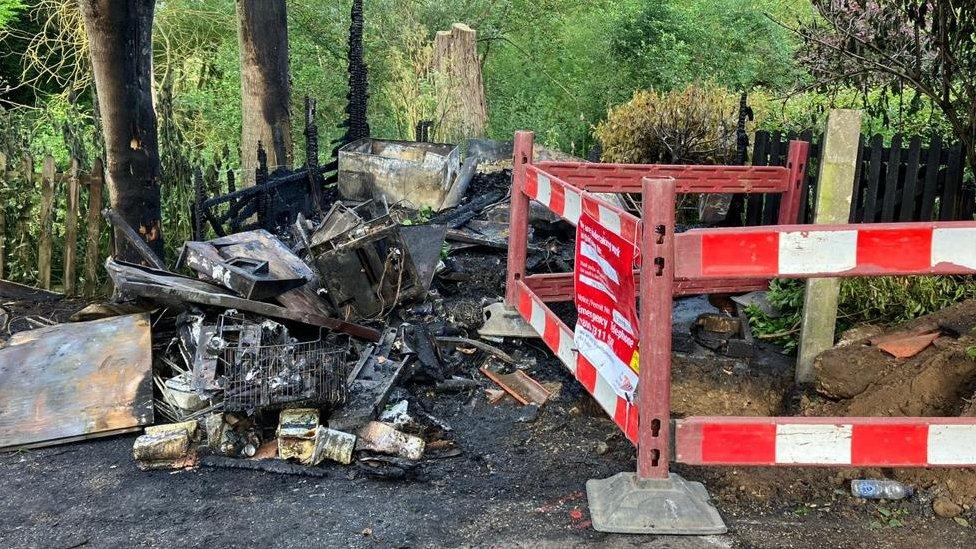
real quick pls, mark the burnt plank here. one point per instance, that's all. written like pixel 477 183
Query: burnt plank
pixel 931 185
pixel 770 209
pixel 968 207
pixel 809 181
pixel 911 178
pixel 857 204
pixel 760 153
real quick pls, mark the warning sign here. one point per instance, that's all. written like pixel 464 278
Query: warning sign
pixel 606 330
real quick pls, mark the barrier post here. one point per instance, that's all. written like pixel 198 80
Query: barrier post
pixel 518 234
pixel 656 283
pixel 654 501
pixel 796 163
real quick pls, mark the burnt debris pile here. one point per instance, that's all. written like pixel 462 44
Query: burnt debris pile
pixel 286 334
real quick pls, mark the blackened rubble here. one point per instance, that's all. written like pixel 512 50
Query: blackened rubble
pixel 317 337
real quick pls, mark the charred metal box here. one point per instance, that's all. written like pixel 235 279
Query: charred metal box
pixel 414 174
pixel 367 269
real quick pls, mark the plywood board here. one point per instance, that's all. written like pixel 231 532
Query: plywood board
pixel 81 379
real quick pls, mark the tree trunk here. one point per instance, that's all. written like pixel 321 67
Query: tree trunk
pixel 120 42
pixel 461 90
pixel 262 32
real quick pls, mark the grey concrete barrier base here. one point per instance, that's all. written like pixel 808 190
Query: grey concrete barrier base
pixel 625 505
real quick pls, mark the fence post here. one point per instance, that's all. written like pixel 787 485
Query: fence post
pixel 518 233
pixel 656 296
pixel 834 194
pixel 3 215
pixel 71 229
pixel 93 243
pixel 24 238
pixel 48 173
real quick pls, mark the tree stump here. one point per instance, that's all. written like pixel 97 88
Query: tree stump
pixel 460 86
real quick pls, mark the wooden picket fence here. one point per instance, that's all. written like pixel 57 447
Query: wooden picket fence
pixel 904 181
pixel 19 182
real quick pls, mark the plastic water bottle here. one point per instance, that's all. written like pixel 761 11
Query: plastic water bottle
pixel 880 489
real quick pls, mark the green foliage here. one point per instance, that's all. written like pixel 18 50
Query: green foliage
pixel 882 300
pixel 971 352
pixel 885 112
pixel 9 9
pixel 550 69
pixel 896 299
pixel 787 297
pixel 731 42
pixel 889 518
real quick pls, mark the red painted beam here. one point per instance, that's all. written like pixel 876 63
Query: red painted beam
pixel 626 178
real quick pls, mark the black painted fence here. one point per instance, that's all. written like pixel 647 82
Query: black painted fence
pixel 903 181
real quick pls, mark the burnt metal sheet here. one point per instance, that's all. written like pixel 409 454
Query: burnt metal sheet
pixel 340 219
pixel 136 241
pixel 282 263
pixel 522 387
pixel 165 287
pixel 368 269
pixel 425 243
pixel 370 384
pixel 249 277
pixel 73 381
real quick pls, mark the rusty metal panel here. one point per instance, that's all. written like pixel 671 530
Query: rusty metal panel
pixel 417 174
pixel 76 380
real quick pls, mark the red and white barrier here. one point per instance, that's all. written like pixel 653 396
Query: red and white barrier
pixel 569 202
pixel 559 338
pixel 874 442
pixel 849 250
pixel 728 260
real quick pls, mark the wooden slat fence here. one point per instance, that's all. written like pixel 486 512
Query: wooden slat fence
pixel 31 235
pixel 902 181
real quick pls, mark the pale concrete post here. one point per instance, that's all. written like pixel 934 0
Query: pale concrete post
pixel 835 189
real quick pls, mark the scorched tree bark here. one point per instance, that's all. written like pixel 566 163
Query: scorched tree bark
pixel 120 44
pixel 265 86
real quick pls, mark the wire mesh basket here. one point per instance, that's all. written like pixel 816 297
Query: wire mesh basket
pixel 263 375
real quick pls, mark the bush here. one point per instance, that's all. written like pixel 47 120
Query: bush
pixel 694 125
pixel 881 300
pixel 885 112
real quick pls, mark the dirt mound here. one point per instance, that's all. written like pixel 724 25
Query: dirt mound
pixel 865 381
pixel 859 379
pixel 853 379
